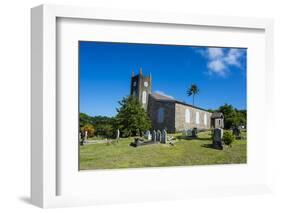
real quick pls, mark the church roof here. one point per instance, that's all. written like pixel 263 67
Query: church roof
pixel 217 115
pixel 160 97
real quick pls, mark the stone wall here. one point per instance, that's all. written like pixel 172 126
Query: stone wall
pixel 168 114
pixel 180 118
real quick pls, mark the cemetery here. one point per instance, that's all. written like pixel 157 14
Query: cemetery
pixel 154 150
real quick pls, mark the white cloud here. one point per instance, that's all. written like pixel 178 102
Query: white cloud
pixel 164 94
pixel 217 66
pixel 220 59
pixel 215 53
pixel 233 57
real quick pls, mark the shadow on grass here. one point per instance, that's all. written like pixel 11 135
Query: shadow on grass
pixel 210 146
pixel 203 139
pixel 192 138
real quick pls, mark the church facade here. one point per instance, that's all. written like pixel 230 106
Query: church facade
pixel 166 112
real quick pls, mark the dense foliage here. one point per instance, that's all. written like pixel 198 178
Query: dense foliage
pixel 102 125
pixel 233 117
pixel 89 128
pixel 131 120
pixel 131 117
pixel 228 138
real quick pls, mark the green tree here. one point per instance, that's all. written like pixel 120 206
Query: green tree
pixel 89 128
pixel 232 116
pixel 131 117
pixel 84 119
pixel 192 91
pixel 103 125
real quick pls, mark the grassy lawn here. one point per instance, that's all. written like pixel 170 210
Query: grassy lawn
pixel 184 153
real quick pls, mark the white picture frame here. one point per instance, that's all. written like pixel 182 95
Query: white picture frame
pixel 45 169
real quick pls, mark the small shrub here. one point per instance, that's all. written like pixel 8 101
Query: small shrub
pixel 228 138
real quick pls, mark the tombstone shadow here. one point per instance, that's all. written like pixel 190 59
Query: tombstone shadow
pixel 210 146
pixel 188 138
pixel 204 139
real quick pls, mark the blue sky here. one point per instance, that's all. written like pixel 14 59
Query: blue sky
pixel 106 68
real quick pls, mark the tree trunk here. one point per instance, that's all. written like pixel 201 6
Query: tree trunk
pixel 193 100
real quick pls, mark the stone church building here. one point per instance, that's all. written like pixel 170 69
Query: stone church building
pixel 166 112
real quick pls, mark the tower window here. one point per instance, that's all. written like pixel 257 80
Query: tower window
pixel 144 97
pixel 160 115
pixel 134 83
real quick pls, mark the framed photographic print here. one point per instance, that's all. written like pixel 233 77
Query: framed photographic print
pixel 129 106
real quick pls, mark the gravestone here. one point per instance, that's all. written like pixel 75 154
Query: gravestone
pixel 137 141
pixel 81 138
pixel 194 132
pixel 137 132
pixel 189 133
pixel 158 135
pixel 147 135
pixel 82 141
pixel 236 132
pixel 217 138
pixel 154 136
pixel 86 137
pixel 117 135
pixel 164 136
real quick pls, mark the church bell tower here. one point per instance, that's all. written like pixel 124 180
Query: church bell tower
pixel 141 87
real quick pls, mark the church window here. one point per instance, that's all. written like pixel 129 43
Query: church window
pixel 135 83
pixel 197 118
pixel 144 97
pixel 187 116
pixel 160 115
pixel 205 119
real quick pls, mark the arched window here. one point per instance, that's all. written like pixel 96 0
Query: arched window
pixel 197 118
pixel 144 97
pixel 205 119
pixel 160 115
pixel 187 116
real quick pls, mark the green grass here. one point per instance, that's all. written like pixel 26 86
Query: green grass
pixel 184 153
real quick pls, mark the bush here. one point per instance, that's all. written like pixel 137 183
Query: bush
pixel 89 128
pixel 228 138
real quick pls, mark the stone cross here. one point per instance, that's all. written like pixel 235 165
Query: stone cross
pixel 217 138
pixel 164 136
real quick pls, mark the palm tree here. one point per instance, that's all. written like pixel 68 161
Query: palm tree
pixel 193 90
